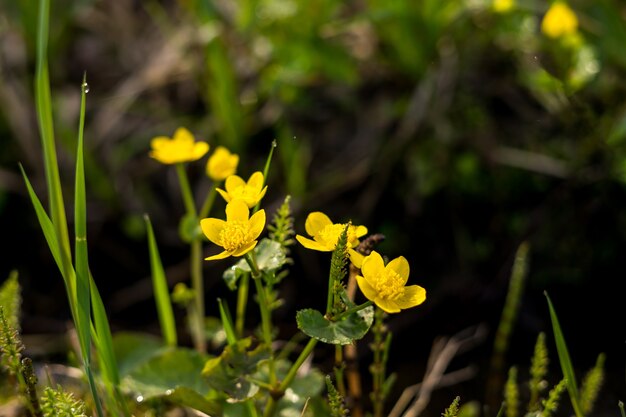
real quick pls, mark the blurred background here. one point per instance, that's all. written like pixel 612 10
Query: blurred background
pixel 458 129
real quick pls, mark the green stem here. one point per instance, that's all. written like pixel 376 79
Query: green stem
pixel 198 287
pixel 242 301
pixel 291 374
pixel 352 310
pixel 185 189
pixel 195 264
pixel 270 408
pixel 208 202
pixel 339 366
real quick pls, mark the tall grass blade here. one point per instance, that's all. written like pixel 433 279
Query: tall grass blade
pixel 49 232
pixel 161 293
pixel 564 359
pixel 46 129
pixel 83 302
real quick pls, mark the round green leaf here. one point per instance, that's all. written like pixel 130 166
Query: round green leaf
pixel 342 332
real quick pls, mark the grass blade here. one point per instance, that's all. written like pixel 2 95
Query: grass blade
pixel 46 129
pixel 83 304
pixel 161 292
pixel 47 227
pixel 564 359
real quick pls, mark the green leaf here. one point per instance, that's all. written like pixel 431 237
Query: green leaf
pixel 342 332
pixel 134 349
pixel 564 359
pixel 161 292
pixel 269 256
pixel 174 375
pixel 230 371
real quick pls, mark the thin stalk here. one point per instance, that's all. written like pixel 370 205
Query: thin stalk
pixel 195 265
pixel 242 301
pixel 266 317
pixel 339 366
pixel 198 286
pixel 352 310
pixel 185 189
pixel 270 408
pixel 208 202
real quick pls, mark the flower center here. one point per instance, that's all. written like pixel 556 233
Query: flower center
pixel 389 285
pixel 234 235
pixel 330 234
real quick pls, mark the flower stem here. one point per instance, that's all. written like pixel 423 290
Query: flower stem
pixel 352 310
pixel 198 286
pixel 270 408
pixel 185 189
pixel 242 301
pixel 195 265
pixel 208 202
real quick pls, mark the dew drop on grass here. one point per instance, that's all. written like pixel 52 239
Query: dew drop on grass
pixel 139 398
pixel 85 87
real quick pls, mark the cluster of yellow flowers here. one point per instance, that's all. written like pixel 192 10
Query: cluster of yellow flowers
pixel 559 21
pixel 385 285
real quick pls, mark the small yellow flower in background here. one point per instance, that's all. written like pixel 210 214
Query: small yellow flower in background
pixel 503 6
pixel 385 285
pixel 237 189
pixel 182 147
pixel 559 21
pixel 325 234
pixel 238 233
pixel 221 164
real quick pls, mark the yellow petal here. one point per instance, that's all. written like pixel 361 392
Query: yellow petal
pixel 261 194
pixel 233 182
pixel 224 194
pixel 361 231
pixel 245 249
pixel 387 305
pixel 368 291
pixel 199 149
pixel 257 223
pixel 220 255
pixel 159 142
pixel 211 228
pixel 315 222
pixel 256 180
pixel 356 258
pixel 414 295
pixel 237 210
pixel 183 135
pixel 312 244
pixel 401 266
pixel 372 267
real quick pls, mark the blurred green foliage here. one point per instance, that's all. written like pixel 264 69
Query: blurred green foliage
pixel 456 130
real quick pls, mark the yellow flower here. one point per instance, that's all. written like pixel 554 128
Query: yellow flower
pixel 503 6
pixel 325 234
pixel 237 189
pixel 221 164
pixel 238 233
pixel 559 21
pixel 386 285
pixel 180 148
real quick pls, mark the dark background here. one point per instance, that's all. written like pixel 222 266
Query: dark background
pixel 455 131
